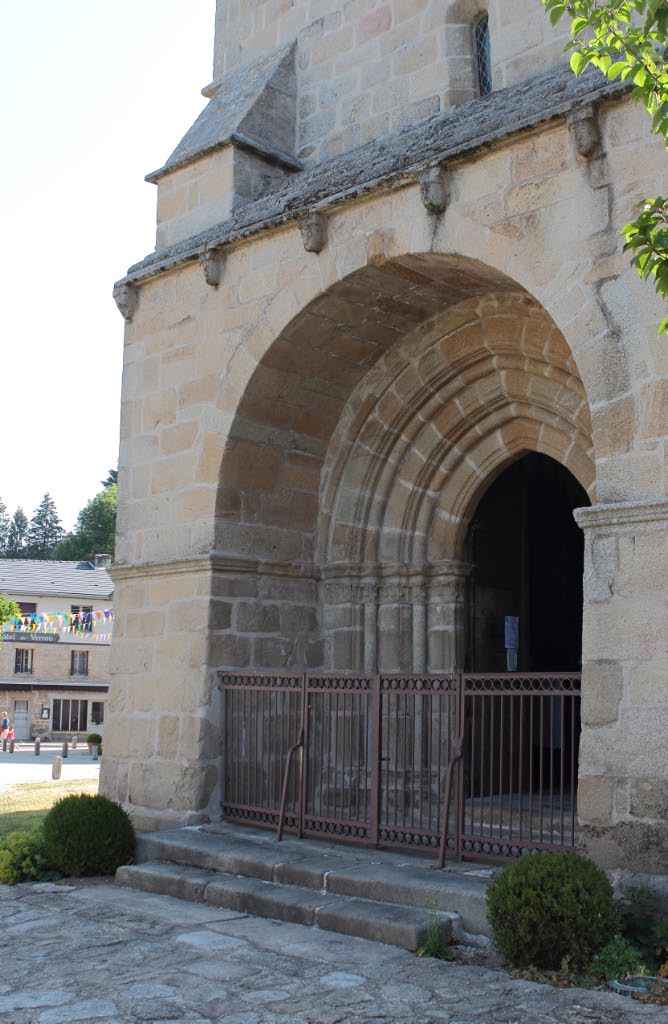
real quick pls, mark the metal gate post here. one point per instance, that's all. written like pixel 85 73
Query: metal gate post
pixel 375 759
pixel 460 690
pixel 303 763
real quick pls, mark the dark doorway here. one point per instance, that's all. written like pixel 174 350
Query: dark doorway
pixel 527 555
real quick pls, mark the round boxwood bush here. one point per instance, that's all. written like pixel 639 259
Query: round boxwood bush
pixel 88 835
pixel 550 908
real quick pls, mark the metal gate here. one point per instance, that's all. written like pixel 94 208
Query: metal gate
pixel 483 766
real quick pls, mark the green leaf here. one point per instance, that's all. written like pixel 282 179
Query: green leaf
pixel 577 25
pixel 578 62
pixel 615 70
pixel 556 13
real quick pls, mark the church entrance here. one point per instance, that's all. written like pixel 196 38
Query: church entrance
pixel 527 557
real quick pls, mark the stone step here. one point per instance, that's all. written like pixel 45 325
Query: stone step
pixel 378 875
pixel 403 926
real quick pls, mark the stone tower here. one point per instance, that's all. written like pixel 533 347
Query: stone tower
pixel 387 267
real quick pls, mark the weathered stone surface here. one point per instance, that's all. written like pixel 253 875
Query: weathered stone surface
pixel 602 687
pixel 170 960
pixel 318 431
pixel 439 139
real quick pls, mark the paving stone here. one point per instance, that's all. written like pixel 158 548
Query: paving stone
pixel 249 971
pixel 339 979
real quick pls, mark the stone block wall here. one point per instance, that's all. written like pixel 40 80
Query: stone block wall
pixel 304 443
pixel 366 67
pixel 624 756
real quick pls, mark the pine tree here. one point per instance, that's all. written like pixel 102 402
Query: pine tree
pixel 95 529
pixel 112 478
pixel 16 535
pixel 4 527
pixel 45 530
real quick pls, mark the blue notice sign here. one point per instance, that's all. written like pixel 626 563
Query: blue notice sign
pixel 512 632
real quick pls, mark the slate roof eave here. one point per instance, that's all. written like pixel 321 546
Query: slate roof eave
pixel 397 159
pixel 25 577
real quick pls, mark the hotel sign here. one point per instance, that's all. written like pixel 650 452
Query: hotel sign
pixel 30 638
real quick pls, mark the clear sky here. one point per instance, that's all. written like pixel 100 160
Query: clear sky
pixel 95 95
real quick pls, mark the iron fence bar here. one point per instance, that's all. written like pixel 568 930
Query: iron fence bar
pixel 520 758
pixel 375 754
pixel 288 763
pixel 460 722
pixel 304 765
pixel 458 747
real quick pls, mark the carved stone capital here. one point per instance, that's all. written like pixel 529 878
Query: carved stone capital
pixel 125 297
pixel 435 189
pixel 313 226
pixel 583 126
pixel 212 261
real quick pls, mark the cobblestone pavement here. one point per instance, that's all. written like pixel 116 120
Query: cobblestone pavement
pixel 99 953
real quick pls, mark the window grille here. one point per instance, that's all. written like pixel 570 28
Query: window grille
pixel 483 55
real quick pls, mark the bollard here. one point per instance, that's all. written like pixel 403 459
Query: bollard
pixel 96 750
pixel 37 746
pixel 11 746
pixel 74 743
pixel 64 748
pixel 56 767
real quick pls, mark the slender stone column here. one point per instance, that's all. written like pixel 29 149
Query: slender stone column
pixel 371 629
pixel 446 618
pixel 419 630
pixel 623 768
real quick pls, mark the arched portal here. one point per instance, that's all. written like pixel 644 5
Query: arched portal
pixel 360 463
pixel 527 559
pixel 360 448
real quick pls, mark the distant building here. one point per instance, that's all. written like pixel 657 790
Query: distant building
pixel 54 661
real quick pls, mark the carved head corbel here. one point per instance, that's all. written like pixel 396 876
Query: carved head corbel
pixel 125 297
pixel 585 132
pixel 313 226
pixel 435 188
pixel 212 261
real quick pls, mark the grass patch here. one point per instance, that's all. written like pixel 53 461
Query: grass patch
pixel 25 805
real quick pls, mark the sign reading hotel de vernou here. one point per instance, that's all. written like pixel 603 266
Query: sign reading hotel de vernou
pixel 33 638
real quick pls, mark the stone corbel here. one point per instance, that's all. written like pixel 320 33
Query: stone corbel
pixel 585 132
pixel 435 188
pixel 125 297
pixel 212 261
pixel 313 226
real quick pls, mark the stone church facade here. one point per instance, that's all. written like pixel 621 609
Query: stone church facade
pixel 374 291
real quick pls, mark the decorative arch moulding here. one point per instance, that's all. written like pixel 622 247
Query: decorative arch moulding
pixel 396 162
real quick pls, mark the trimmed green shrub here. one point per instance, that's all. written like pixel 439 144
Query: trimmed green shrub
pixel 88 835
pixel 644 925
pixel 551 908
pixel 618 960
pixel 23 857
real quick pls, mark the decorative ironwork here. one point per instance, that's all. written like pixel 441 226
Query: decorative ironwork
pixel 482 766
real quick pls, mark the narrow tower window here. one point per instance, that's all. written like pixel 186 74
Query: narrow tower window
pixel 483 55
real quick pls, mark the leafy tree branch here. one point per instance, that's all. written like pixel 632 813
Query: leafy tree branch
pixel 628 40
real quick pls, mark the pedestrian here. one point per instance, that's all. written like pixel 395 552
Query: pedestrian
pixel 4 725
pixel 10 737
